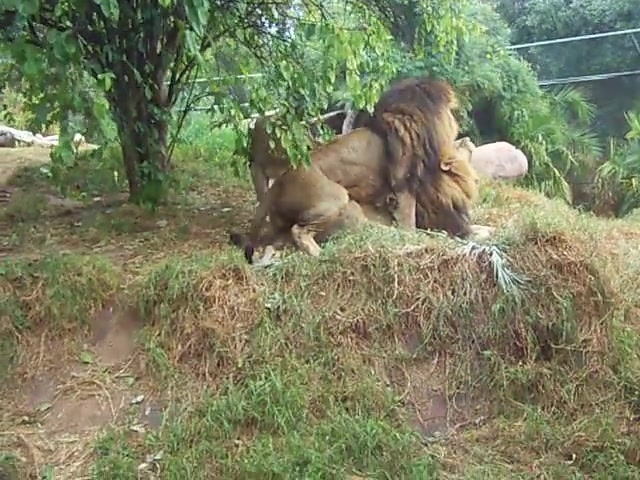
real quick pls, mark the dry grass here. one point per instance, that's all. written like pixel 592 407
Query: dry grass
pixel 393 355
pixel 368 299
pixel 14 159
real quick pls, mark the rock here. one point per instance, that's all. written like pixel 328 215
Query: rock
pixel 5 194
pixel 7 139
pixel 499 160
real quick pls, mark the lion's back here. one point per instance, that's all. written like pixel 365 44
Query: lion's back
pixel 356 161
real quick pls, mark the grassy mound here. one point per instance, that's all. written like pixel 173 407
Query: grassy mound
pixel 55 293
pixel 394 354
pixel 545 301
pixel 331 367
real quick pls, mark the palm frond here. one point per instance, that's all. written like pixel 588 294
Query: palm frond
pixel 509 281
pixel 619 176
pixel 573 101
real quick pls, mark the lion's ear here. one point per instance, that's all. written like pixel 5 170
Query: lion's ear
pixel 465 143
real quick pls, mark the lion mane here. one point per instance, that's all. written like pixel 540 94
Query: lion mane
pixel 407 151
pixel 431 184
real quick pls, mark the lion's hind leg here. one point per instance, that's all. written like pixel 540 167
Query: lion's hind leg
pixel 260 181
pixel 322 219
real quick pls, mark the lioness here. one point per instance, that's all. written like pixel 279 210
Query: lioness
pixel 404 159
pixel 305 207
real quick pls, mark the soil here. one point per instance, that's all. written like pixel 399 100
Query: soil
pixel 15 159
pixel 75 389
pixel 56 415
pixel 57 412
pixel 68 391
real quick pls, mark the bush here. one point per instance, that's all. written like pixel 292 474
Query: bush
pixel 618 179
pixel 504 102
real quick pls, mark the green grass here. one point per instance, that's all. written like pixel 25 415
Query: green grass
pixel 205 157
pixel 300 393
pixel 25 208
pixel 201 157
pixel 63 289
pixel 8 466
pixel 323 368
pixel 267 426
pixel 60 293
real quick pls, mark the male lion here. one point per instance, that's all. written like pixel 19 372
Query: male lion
pixel 415 118
pixel 405 153
pixel 267 163
pixel 305 207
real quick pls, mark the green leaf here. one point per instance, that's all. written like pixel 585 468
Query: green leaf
pixel 107 80
pixel 110 8
pixel 86 357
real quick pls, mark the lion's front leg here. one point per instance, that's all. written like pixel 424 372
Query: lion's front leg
pixel 303 238
pixel 404 212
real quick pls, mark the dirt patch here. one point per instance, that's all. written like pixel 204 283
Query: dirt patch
pixel 82 406
pixel 14 159
pixel 131 237
pixel 431 409
pixel 54 418
pixel 114 335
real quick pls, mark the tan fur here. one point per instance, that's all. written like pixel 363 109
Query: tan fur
pixel 406 153
pixel 267 163
pixel 424 169
pixel 305 207
pixel 458 187
pixel 355 161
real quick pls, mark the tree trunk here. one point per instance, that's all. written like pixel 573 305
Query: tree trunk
pixel 146 161
pixel 143 131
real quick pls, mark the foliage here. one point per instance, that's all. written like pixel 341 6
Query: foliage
pixel 502 101
pixel 77 44
pixel 14 110
pixel 352 50
pixel 532 21
pixel 543 20
pixel 199 147
pixel 330 369
pixel 619 177
pixel 308 57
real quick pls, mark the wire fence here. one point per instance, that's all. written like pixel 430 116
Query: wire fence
pixel 556 61
pixel 605 66
pixel 621 44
